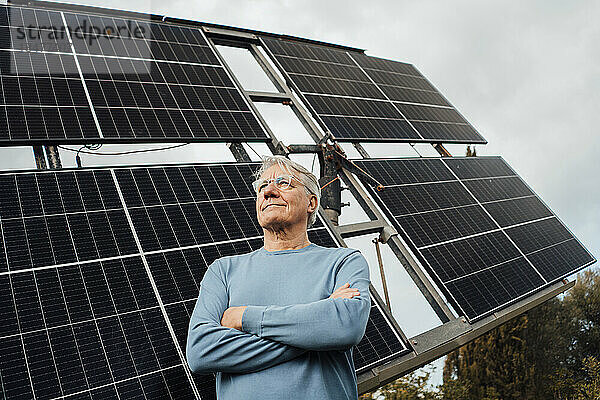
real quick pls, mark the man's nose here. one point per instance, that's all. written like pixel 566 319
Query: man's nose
pixel 270 190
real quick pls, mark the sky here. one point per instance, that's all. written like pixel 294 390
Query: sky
pixel 525 74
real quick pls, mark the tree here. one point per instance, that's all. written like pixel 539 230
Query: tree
pixel 495 364
pixel 409 387
pixel 543 354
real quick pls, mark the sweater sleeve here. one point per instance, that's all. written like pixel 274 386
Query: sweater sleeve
pixel 328 324
pixel 212 347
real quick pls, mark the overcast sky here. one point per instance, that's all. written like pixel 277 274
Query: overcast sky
pixel 525 74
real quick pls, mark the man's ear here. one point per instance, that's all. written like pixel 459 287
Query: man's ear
pixel 312 203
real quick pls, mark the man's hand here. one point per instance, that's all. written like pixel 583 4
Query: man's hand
pixel 345 292
pixel 232 317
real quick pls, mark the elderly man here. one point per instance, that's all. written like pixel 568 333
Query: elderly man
pixel 270 323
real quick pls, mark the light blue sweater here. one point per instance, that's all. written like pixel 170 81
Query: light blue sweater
pixel 296 343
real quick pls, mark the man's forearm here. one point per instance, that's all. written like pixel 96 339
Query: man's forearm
pixel 212 348
pixel 330 324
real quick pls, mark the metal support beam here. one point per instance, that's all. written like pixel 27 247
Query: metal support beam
pixel 239 152
pixel 382 273
pixel 229 33
pixel 361 228
pixel 40 160
pixel 361 150
pixel 53 157
pixel 418 276
pixel 273 144
pixel 331 193
pixel 268 97
pixel 442 150
pixel 304 148
pixel 305 118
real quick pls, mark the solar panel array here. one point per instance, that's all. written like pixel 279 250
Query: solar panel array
pixel 363 98
pixel 66 77
pixel 481 233
pixel 100 270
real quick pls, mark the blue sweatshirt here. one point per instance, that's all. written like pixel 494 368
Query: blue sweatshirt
pixel 295 342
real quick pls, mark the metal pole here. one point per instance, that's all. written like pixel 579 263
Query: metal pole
pixel 40 161
pixel 331 193
pixel 274 143
pixel 361 150
pixel 382 272
pixel 442 150
pixel 425 286
pixel 238 151
pixel 53 157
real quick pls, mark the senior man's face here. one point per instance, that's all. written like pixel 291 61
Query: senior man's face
pixel 279 209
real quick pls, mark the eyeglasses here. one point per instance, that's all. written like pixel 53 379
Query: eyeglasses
pixel 282 182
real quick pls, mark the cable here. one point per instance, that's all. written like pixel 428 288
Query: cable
pixel 252 148
pixel 415 149
pixel 120 153
pixel 331 181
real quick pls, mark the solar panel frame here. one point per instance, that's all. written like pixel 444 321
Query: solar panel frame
pixel 473 259
pixel 207 106
pixel 361 104
pixel 95 252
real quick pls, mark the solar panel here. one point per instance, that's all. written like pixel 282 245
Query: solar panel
pixel 100 270
pixel 481 233
pixel 66 77
pixel 363 98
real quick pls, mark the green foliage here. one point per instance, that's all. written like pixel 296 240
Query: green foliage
pixel 455 389
pixel 566 386
pixel 496 364
pixel 409 387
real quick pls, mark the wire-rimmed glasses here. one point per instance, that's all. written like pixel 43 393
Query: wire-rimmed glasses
pixel 282 182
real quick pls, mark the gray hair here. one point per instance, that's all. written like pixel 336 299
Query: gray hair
pixel 308 179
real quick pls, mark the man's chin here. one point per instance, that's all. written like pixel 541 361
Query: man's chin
pixel 274 225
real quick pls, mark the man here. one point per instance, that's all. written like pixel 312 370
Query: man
pixel 269 322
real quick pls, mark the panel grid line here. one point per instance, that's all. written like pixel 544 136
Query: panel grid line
pixel 478 257
pixel 86 321
pixel 482 233
pixel 117 382
pixel 558 219
pixel 154 287
pixel 85 88
pixel 496 222
pixel 14 298
pixel 386 96
pixel 382 101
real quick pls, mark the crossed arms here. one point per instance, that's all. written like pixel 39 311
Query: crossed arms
pixel 220 339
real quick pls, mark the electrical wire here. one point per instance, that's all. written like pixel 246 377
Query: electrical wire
pixel 331 181
pixel 415 149
pixel 252 148
pixel 120 153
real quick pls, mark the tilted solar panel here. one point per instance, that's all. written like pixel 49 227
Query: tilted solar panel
pixel 363 98
pixel 66 77
pixel 100 270
pixel 481 233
